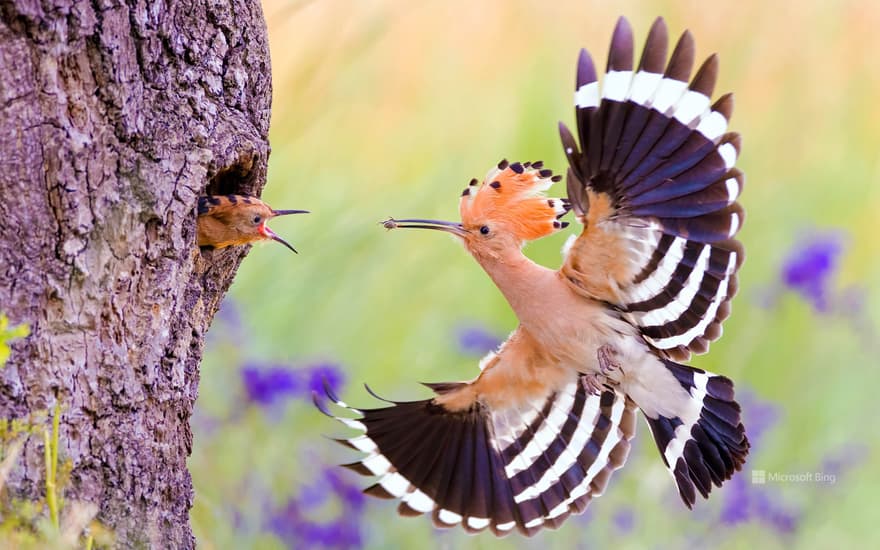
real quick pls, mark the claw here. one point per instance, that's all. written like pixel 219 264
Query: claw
pixel 592 384
pixel 605 355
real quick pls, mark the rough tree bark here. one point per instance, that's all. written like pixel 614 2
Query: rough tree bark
pixel 114 116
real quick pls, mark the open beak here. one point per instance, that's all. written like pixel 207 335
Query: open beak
pixel 439 225
pixel 269 234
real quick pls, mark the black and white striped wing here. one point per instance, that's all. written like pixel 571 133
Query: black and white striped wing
pixel 658 147
pixel 525 467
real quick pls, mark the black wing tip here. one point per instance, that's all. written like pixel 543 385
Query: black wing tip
pixel 343 442
pixel 622 28
pixel 441 388
pixel 620 53
pixel 706 77
pixel 654 53
pixel 682 61
pixel 320 405
pixel 328 390
pixel 359 468
pixel 377 396
pixel 378 491
pixel 586 69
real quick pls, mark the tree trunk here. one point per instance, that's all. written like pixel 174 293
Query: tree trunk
pixel 114 117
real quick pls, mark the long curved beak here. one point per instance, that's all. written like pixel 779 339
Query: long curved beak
pixel 274 236
pixel 287 212
pixel 416 223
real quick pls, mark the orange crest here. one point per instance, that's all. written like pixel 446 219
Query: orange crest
pixel 512 197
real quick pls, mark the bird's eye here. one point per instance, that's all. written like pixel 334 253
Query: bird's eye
pixel 257 219
pixel 484 230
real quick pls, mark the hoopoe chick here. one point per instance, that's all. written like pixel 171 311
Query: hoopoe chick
pixel 539 432
pixel 232 220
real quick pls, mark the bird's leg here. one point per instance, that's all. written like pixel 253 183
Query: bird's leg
pixel 594 382
pixel 605 354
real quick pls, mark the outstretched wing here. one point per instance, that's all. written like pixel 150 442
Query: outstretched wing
pixel 521 447
pixel 655 185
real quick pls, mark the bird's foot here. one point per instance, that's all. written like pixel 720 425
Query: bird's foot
pixel 594 382
pixel 606 354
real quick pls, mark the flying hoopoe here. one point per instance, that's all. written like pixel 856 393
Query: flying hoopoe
pixel 539 432
pixel 232 220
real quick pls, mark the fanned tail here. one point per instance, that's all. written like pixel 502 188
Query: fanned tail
pixel 711 445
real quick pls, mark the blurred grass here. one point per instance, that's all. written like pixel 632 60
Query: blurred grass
pixel 389 107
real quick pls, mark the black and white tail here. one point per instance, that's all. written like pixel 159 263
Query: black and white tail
pixel 660 149
pixel 525 467
pixel 707 444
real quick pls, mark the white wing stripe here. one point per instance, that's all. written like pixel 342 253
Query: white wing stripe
pixel 395 484
pixel 660 278
pixel 419 501
pixel 602 459
pixel 712 126
pixel 644 86
pixel 582 434
pixel 546 433
pixel 728 153
pixel 668 93
pixel 732 189
pixel 587 96
pixel 616 85
pixel 674 309
pixel 377 464
pixel 690 106
pixel 698 329
pixel 448 517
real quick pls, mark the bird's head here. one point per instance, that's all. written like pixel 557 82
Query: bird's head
pixel 229 220
pixel 505 210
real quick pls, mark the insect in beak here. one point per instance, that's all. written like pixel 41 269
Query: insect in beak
pixel 415 223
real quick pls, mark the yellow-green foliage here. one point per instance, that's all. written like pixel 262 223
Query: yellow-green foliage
pixel 7 334
pixel 48 522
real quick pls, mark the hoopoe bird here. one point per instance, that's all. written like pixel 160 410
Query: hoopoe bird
pixel 232 220
pixel 648 282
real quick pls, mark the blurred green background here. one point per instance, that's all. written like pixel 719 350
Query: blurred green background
pixel 388 108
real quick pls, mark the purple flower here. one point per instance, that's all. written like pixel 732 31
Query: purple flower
pixel 758 416
pixel 735 507
pixel 773 514
pixel 351 495
pixel 475 340
pixel 624 520
pixel 810 266
pixel 323 373
pixel 266 385
pixel 298 523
